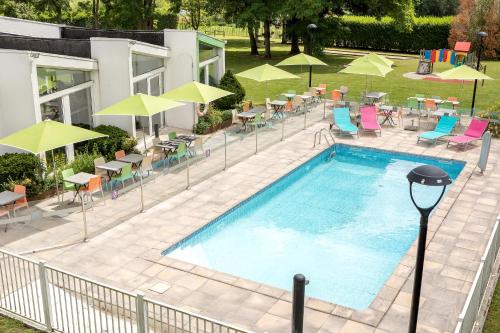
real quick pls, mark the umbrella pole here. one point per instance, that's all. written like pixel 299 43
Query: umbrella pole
pixel 55 174
pixel 144 138
pixel 142 190
pixel 84 213
pixel 310 75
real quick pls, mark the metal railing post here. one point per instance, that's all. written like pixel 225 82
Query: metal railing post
pixel 225 150
pixel 283 128
pixel 187 173
pixel 44 289
pixel 256 130
pixel 299 286
pixel 141 319
pixel 305 117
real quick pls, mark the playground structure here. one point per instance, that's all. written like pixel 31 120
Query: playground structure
pixel 460 55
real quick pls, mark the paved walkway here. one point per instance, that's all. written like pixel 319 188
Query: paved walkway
pixel 129 254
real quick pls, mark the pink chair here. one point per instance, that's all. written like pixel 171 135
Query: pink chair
pixel 369 121
pixel 474 132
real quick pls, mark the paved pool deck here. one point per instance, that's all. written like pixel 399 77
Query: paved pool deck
pixel 128 254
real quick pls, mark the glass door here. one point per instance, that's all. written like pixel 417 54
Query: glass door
pixel 155 89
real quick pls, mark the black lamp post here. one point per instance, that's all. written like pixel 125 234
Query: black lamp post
pixel 427 175
pixel 312 29
pixel 481 35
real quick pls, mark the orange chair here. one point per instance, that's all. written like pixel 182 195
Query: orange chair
pixel 336 95
pixel 289 106
pixel 119 154
pixel 21 203
pixel 94 186
pixel 430 104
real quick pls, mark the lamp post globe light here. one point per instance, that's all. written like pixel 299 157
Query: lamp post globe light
pixel 426 175
pixel 481 35
pixel 312 29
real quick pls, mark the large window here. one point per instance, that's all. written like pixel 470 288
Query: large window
pixel 80 104
pixel 51 80
pixel 142 64
pixel 206 52
pixel 53 110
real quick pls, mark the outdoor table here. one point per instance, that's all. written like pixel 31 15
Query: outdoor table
pixel 112 167
pixel 278 106
pixel 375 96
pixel 245 116
pixel 289 95
pixel 187 138
pixel 134 159
pixel 320 90
pixel 441 112
pixel 388 110
pixel 9 198
pixel 79 180
pixel 167 147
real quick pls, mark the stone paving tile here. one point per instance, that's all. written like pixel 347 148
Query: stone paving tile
pixel 127 253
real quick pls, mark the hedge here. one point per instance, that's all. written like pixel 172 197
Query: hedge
pixel 369 33
pixel 24 169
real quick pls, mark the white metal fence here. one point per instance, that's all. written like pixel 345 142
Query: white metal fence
pixel 58 301
pixel 468 317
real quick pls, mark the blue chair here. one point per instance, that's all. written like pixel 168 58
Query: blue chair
pixel 343 121
pixel 443 128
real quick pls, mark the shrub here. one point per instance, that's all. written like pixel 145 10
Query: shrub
pixel 369 33
pixel 227 115
pixel 201 126
pixel 213 117
pixel 83 163
pixel 230 83
pixel 24 169
pixel 493 115
pixel 117 139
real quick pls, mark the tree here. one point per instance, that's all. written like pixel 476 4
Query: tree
pixel 230 83
pixel 473 17
pixel 436 8
pixel 194 9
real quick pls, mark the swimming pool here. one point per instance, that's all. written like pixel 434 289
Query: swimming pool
pixel 344 222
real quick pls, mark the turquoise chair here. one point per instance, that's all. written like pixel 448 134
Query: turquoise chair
pixel 343 121
pixel 124 175
pixel 443 128
pixel 66 185
pixel 179 153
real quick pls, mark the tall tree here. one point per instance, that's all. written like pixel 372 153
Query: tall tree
pixel 194 11
pixel 95 14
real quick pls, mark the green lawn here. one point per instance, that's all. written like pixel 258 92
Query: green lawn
pixel 492 324
pixel 8 325
pixel 398 87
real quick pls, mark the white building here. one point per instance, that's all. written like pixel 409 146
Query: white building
pixel 67 74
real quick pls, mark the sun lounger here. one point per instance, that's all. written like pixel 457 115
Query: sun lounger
pixel 343 121
pixel 369 121
pixel 474 132
pixel 443 128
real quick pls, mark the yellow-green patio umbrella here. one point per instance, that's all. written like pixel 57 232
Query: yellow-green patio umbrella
pixel 265 73
pixel 366 67
pixel 381 60
pixel 196 92
pixel 303 59
pixel 139 105
pixel 47 136
pixel 463 73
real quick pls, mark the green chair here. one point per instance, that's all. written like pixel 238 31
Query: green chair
pixel 172 135
pixel 66 185
pixel 179 153
pixel 413 104
pixel 124 175
pixel 257 121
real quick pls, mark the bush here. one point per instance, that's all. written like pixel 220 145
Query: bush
pixel 202 126
pixel 83 163
pixel 230 83
pixel 213 117
pixel 369 33
pixel 117 139
pixel 493 115
pixel 23 169
pixel 227 115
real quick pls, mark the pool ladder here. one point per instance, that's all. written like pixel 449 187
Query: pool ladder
pixel 321 133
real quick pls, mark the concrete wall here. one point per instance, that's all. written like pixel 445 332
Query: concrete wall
pixel 182 67
pixel 17 104
pixel 114 58
pixel 29 28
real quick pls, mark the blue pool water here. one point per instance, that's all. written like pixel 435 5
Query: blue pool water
pixel 343 222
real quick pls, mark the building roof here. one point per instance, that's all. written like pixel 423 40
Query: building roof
pixel 462 46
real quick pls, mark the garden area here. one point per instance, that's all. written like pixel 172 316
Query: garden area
pixel 37 175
